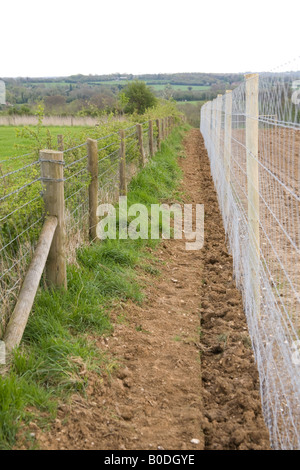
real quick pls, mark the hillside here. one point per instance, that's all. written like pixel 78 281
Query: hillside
pixel 87 94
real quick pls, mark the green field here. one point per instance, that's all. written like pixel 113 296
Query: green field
pixel 190 102
pixel 181 87
pixel 45 84
pixel 160 86
pixel 60 340
pixel 12 145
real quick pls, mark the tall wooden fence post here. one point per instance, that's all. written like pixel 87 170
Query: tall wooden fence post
pixel 52 172
pixel 218 124
pixel 209 114
pixel 92 151
pixel 163 129
pixel 151 147
pixel 227 145
pixel 214 121
pixel 158 133
pixel 139 131
pixel 60 142
pixel 122 165
pixel 252 115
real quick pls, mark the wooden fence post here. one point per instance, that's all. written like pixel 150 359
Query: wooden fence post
pixel 92 151
pixel 151 147
pixel 122 166
pixel 227 145
pixel 218 137
pixel 218 123
pixel 139 131
pixel 52 173
pixel 163 129
pixel 60 142
pixel 214 120
pixel 158 134
pixel 252 115
pixel 209 114
pixel 18 321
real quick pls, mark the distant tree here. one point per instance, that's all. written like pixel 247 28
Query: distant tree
pixel 168 92
pixel 21 110
pixel 123 101
pixel 103 99
pixel 139 96
pixel 54 103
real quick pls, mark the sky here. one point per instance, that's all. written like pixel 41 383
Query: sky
pixel 63 37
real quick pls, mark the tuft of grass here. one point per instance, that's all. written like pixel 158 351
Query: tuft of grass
pixel 177 338
pixel 58 349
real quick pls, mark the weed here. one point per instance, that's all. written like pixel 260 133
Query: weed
pixel 57 351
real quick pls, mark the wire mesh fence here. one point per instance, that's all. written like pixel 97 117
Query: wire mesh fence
pixel 22 209
pixel 267 272
pixel 108 168
pixel 76 182
pixel 21 218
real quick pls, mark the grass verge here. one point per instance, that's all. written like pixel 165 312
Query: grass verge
pixel 59 342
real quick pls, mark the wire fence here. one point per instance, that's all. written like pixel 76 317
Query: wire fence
pixel 22 211
pixel 253 142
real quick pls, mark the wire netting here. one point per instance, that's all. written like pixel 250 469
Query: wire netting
pixel 273 320
pixel 76 184
pixel 22 212
pixel 21 219
pixel 132 152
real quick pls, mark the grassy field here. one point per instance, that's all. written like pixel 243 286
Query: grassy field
pixel 160 86
pixel 59 344
pixel 12 144
pixel 181 87
pixel 191 102
pixel 45 84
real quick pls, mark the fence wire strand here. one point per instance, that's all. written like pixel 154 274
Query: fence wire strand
pixel 273 321
pixel 22 211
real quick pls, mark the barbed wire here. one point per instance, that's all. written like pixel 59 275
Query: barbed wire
pixel 9 159
pixel 130 135
pixel 16 191
pixel 13 172
pixel 74 148
pixel 76 161
pixel 107 136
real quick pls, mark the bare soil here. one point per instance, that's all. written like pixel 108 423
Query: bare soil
pixel 159 398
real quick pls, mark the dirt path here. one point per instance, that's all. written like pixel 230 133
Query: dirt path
pixel 154 401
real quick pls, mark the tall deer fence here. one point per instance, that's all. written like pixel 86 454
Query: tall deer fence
pixel 48 208
pixel 252 135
